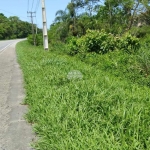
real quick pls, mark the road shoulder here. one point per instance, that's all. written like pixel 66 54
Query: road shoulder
pixel 18 133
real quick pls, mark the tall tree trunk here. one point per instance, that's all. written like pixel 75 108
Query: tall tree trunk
pixel 132 17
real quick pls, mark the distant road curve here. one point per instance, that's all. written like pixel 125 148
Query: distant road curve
pixel 6 43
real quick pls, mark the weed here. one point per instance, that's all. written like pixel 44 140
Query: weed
pixel 99 111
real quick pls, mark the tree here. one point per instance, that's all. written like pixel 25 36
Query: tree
pixel 13 27
pixel 67 18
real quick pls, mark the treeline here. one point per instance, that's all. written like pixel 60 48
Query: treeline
pixel 13 27
pixel 114 16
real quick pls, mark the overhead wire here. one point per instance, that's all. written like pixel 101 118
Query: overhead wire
pixel 36 10
pixel 32 5
pixel 28 6
pixel 37 5
pixel 12 13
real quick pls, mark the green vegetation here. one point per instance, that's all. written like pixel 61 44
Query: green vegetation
pixel 91 90
pixel 38 38
pixel 13 28
pixel 106 109
pixel 102 42
pixel 115 17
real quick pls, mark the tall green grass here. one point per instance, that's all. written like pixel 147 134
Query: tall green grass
pixel 98 112
pixel 134 67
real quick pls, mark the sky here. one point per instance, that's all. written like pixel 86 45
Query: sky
pixel 20 7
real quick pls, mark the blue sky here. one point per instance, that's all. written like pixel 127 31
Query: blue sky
pixel 20 7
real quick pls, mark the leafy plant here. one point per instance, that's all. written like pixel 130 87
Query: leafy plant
pixel 103 110
pixel 141 32
pixel 38 39
pixel 73 45
pixel 128 43
pixel 98 41
pixel 144 60
pixel 102 42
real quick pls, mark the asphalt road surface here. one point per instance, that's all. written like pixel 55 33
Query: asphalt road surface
pixel 5 44
pixel 15 132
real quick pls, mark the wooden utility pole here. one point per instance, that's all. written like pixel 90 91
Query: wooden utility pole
pixel 45 36
pixel 33 35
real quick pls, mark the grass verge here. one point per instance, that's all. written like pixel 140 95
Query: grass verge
pixel 98 112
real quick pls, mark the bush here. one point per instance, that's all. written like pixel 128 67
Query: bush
pixel 144 60
pixel 57 32
pixel 128 43
pixel 98 41
pixel 73 46
pixel 102 42
pixel 141 32
pixel 93 41
pixel 38 39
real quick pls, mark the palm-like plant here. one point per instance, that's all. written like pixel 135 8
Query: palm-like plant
pixel 67 17
pixel 61 16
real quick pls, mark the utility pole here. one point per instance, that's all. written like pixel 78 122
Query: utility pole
pixel 45 36
pixel 36 30
pixel 33 35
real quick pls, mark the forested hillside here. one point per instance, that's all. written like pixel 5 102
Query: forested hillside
pixel 13 27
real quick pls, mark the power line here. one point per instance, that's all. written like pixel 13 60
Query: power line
pixel 13 13
pixel 28 6
pixel 32 5
pixel 37 5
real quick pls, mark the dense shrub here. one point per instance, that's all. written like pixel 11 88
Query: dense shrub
pixel 141 32
pixel 128 43
pixel 143 59
pixel 98 41
pixel 38 39
pixel 93 41
pixel 73 45
pixel 102 42
pixel 57 32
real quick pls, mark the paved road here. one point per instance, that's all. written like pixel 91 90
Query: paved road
pixel 5 44
pixel 15 133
